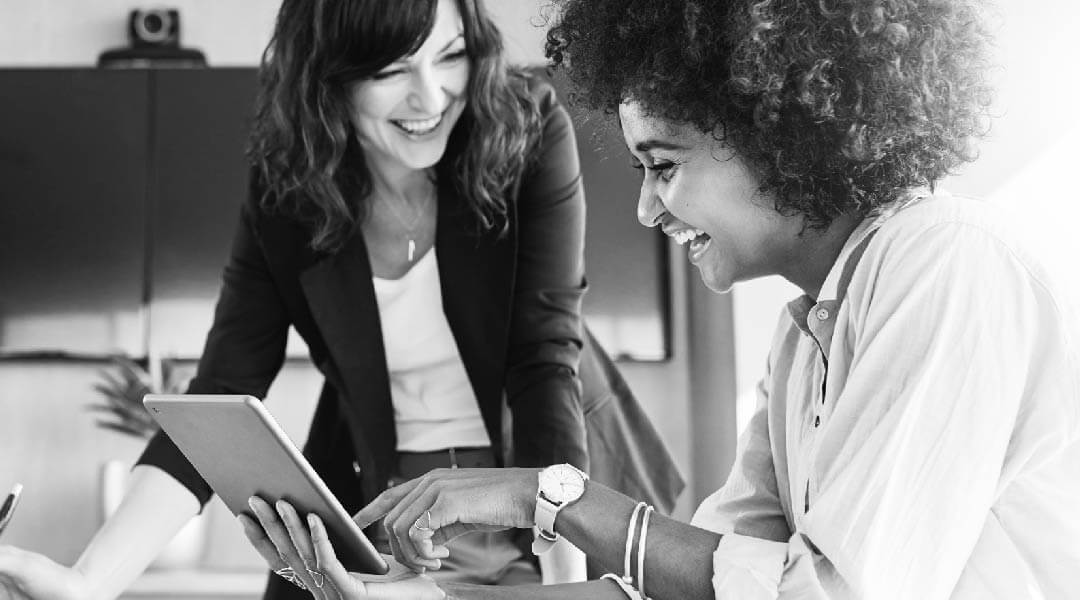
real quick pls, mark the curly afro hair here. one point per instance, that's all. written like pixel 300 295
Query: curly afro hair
pixel 839 104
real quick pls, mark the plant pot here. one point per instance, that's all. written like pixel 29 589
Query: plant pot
pixel 184 551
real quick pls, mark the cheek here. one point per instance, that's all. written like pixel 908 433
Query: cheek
pixel 371 102
pixel 687 201
pixel 457 81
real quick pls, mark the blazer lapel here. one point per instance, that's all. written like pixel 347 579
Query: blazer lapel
pixel 476 275
pixel 342 301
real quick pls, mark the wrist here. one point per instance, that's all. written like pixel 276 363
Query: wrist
pixel 558 487
pixel 526 495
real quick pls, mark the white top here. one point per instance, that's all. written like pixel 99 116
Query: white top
pixel 434 403
pixel 941 460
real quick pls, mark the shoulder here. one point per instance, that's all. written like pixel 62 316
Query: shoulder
pixel 533 86
pixel 537 90
pixel 959 228
pixel 268 220
pixel 965 247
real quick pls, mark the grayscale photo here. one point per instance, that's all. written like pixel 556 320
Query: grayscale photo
pixel 539 300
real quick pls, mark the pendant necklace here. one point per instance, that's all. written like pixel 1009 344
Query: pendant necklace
pixel 410 228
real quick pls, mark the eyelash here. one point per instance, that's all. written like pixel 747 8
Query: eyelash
pixel 664 171
pixel 452 57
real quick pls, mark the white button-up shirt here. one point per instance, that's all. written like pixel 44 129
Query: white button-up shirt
pixel 918 437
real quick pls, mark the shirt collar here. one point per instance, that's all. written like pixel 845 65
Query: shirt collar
pixel 830 293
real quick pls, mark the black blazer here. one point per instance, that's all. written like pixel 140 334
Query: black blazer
pixel 513 304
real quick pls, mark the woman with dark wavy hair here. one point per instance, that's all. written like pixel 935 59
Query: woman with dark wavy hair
pixel 917 433
pixel 416 214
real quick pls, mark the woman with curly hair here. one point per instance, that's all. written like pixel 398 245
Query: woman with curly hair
pixel 917 433
pixel 416 213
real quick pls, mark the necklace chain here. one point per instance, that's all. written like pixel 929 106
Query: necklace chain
pixel 410 228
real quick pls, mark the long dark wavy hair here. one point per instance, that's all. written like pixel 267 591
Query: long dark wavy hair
pixel 303 145
pixel 839 104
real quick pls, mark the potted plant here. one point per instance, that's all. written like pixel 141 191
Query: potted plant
pixel 120 409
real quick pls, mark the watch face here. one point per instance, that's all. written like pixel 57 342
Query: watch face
pixel 562 484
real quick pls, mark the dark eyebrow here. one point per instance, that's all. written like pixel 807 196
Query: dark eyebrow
pixel 648 145
pixel 405 59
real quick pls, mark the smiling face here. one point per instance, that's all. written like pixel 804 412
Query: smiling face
pixel 705 197
pixel 403 115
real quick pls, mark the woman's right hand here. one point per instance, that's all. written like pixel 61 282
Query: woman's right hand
pixel 423 514
pixel 31 576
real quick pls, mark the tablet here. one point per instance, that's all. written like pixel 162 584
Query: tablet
pixel 241 451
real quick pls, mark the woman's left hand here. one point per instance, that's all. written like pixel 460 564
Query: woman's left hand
pixel 304 556
pixel 423 514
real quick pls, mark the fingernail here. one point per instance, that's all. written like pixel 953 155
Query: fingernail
pixel 313 521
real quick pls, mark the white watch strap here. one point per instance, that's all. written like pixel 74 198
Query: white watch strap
pixel 545 525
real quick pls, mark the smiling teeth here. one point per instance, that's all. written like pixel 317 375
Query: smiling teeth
pixel 424 126
pixel 686 235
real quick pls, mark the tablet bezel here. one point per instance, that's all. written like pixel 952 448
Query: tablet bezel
pixel 209 427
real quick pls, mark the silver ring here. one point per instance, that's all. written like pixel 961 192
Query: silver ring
pixel 289 575
pixel 317 577
pixel 427 528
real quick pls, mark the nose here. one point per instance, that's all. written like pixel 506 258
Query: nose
pixel 427 91
pixel 650 208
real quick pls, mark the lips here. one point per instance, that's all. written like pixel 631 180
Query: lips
pixel 417 127
pixel 699 240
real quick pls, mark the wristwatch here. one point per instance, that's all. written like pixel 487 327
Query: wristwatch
pixel 560 486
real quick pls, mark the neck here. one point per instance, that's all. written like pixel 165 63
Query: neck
pixel 815 253
pixel 401 184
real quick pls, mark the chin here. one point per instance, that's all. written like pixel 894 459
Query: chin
pixel 717 283
pixel 426 158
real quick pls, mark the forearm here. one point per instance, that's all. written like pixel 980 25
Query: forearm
pixel 548 425
pixel 155 507
pixel 598 590
pixel 678 556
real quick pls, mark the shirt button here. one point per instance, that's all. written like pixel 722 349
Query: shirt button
pixel 822 314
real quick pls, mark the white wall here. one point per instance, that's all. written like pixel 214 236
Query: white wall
pixel 1026 165
pixel 229 32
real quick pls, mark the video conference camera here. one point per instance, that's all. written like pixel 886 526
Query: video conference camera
pixel 154 28
pixel 154 41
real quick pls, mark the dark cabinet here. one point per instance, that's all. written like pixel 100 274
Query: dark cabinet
pixel 119 194
pixel 197 184
pixel 73 178
pixel 120 190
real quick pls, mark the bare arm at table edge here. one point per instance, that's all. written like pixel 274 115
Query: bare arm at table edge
pixel 155 507
pixel 594 590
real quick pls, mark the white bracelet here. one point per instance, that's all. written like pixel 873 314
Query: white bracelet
pixel 641 552
pixel 630 529
pixel 630 592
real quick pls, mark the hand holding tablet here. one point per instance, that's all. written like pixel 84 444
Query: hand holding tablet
pixel 238 448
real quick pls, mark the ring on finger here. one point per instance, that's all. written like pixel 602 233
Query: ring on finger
pixel 425 528
pixel 317 577
pixel 289 575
